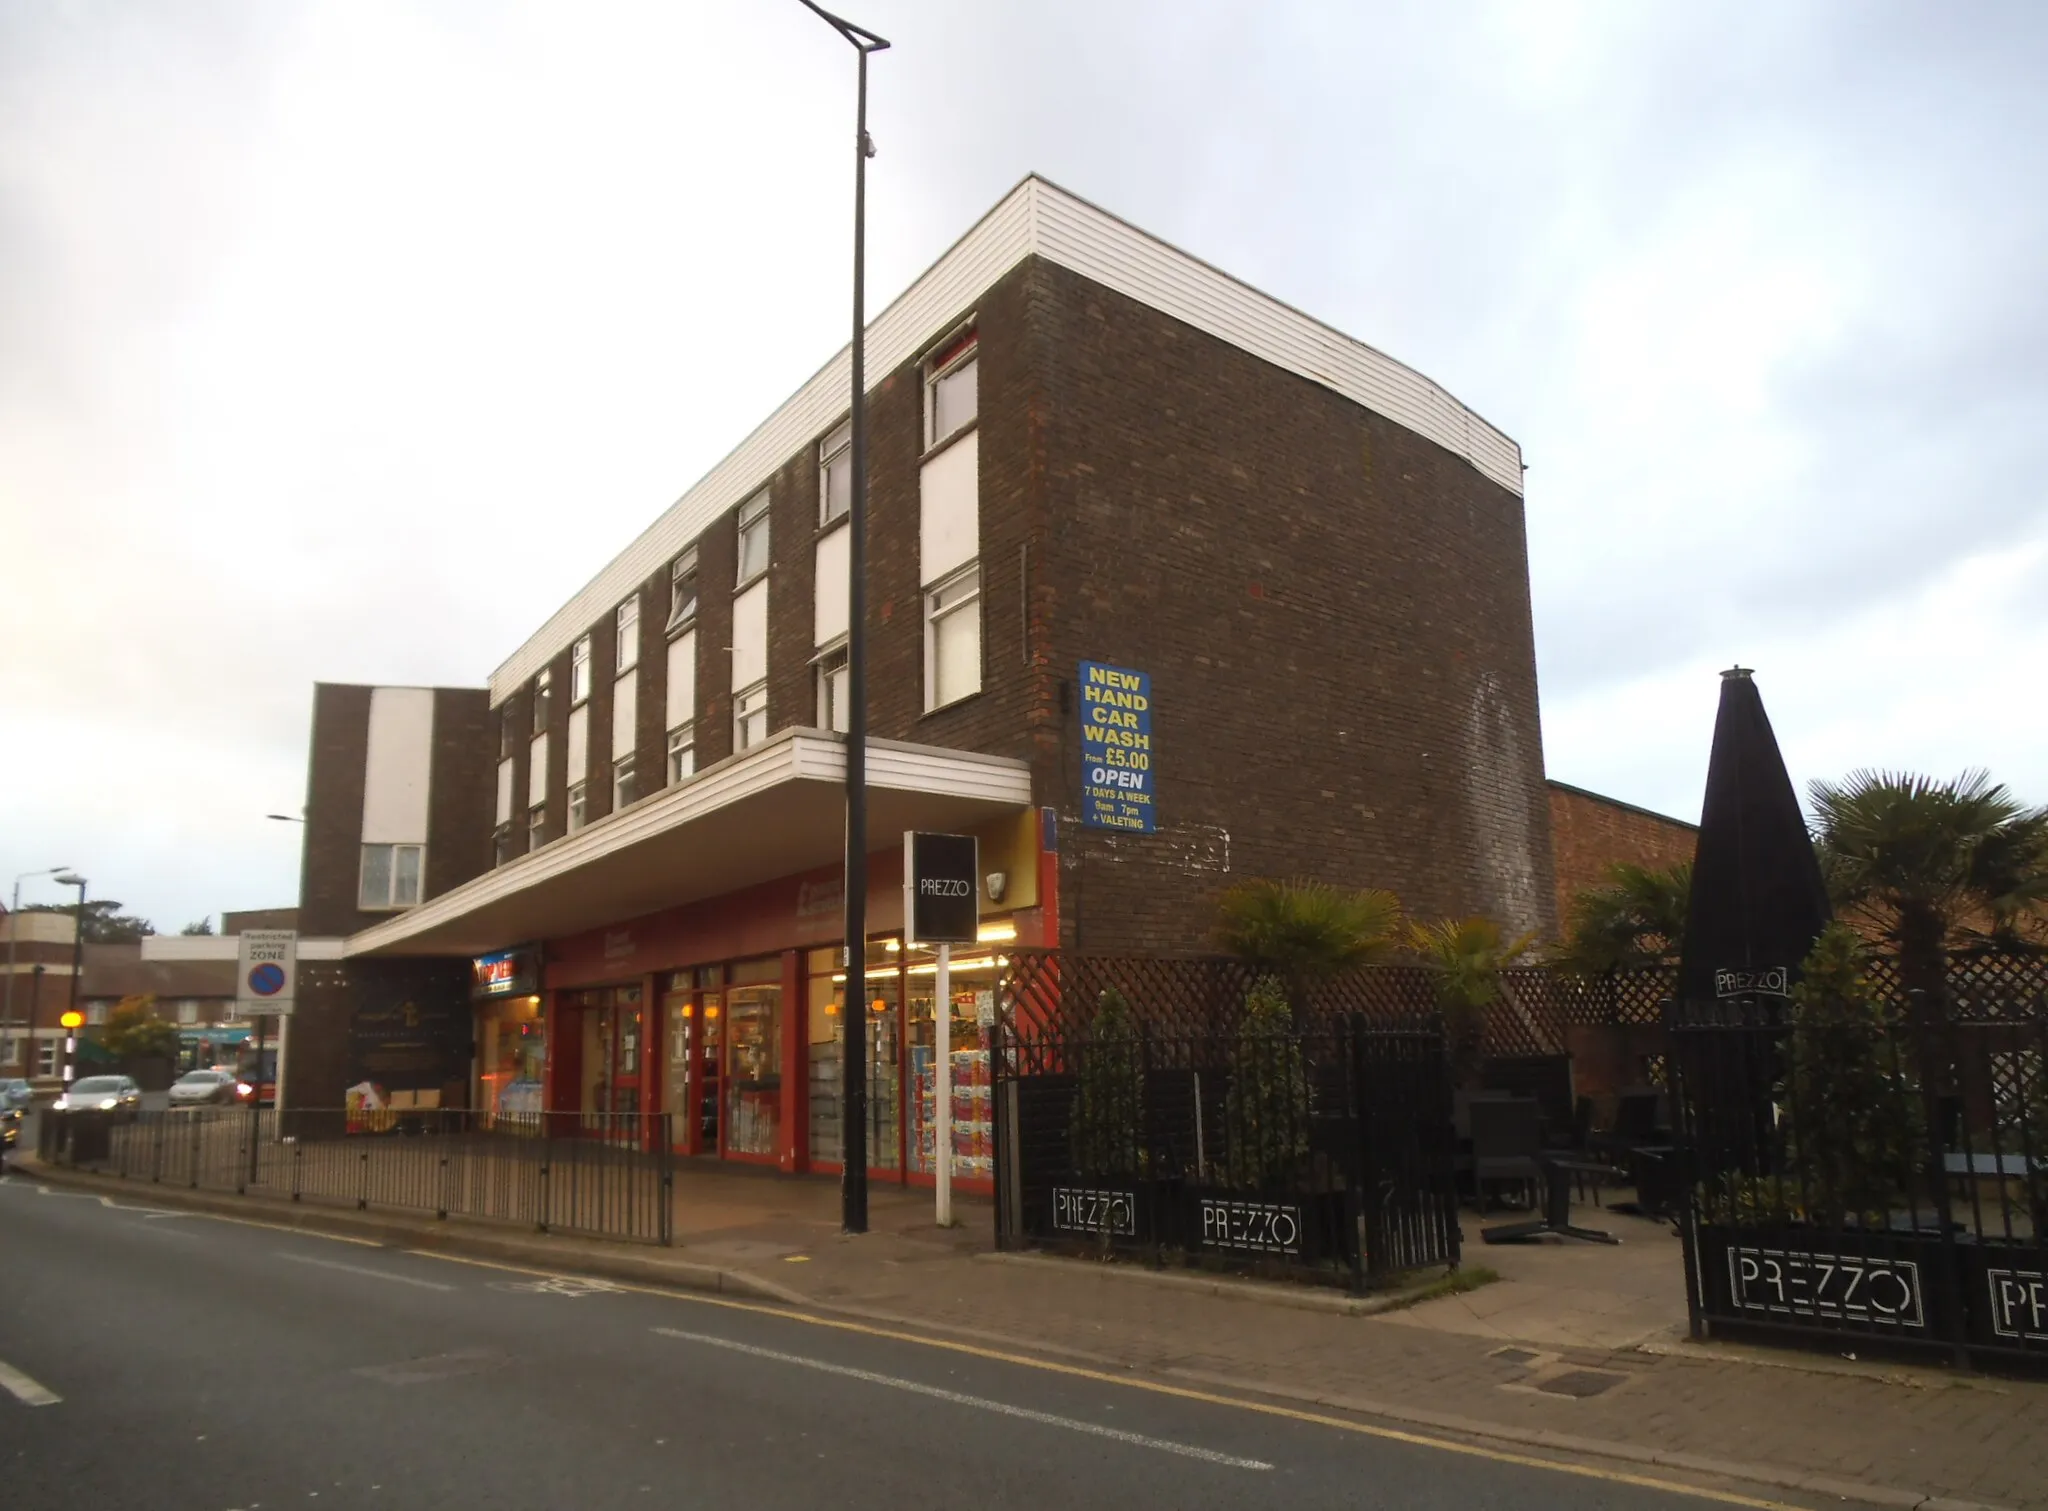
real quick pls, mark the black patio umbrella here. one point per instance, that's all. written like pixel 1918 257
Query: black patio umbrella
pixel 1758 901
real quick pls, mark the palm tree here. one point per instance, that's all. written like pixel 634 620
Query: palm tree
pixel 1306 931
pixel 1931 864
pixel 1635 918
pixel 1469 954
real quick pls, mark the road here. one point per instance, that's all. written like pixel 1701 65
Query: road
pixel 199 1364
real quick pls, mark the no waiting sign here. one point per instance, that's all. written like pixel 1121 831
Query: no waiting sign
pixel 266 972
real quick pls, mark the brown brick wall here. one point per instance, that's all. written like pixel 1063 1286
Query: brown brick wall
pixel 1334 612
pixel 1591 833
pixel 330 863
pixel 461 788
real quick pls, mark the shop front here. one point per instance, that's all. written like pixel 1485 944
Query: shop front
pixel 511 1035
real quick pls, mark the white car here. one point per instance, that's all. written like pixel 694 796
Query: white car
pixel 198 1088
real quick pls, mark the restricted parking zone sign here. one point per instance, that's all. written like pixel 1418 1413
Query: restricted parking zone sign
pixel 266 972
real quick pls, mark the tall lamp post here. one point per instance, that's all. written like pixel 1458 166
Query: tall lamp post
pixel 13 932
pixel 853 1101
pixel 71 1017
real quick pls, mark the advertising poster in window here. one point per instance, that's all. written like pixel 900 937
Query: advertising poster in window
pixel 1117 790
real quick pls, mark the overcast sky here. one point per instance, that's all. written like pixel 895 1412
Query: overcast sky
pixel 345 341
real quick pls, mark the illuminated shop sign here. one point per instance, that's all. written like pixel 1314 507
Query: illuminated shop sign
pixel 509 973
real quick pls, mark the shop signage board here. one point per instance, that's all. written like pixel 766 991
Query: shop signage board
pixel 508 973
pixel 1855 1288
pixel 266 972
pixel 1117 785
pixel 941 888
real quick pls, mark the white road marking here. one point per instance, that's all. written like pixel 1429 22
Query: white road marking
pixel 979 1403
pixel 25 1390
pixel 363 1269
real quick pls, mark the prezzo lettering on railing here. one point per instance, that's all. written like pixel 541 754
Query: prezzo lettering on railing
pixel 2019 1304
pixel 1840 1287
pixel 1772 981
pixel 1256 1226
pixel 1112 1212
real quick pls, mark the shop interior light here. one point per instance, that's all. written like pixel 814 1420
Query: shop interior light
pixel 996 933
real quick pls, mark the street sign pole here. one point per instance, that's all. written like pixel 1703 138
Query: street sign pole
pixel 942 1011
pixel 941 908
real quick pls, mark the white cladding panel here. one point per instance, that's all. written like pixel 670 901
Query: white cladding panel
pixel 828 613
pixel 682 679
pixel 395 769
pixel 537 772
pixel 949 513
pixel 750 636
pixel 625 713
pixel 579 745
pixel 505 791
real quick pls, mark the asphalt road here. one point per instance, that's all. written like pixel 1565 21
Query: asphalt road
pixel 202 1365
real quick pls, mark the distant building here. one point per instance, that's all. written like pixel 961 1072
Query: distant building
pixel 1590 833
pixel 35 992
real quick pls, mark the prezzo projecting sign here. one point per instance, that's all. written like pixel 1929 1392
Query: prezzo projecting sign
pixel 1839 1287
pixel 941 897
pixel 1117 788
pixel 1112 1212
pixel 1255 1226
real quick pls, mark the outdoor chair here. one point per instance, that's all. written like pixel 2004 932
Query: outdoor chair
pixel 1507 1137
pixel 1546 1078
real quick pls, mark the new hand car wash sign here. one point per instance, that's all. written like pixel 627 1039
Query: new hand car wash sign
pixel 1116 749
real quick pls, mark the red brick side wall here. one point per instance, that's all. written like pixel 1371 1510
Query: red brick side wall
pixel 1591 833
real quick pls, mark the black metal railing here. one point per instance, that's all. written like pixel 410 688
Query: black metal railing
pixel 611 1175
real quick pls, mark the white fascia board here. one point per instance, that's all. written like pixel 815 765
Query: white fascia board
pixel 226 947
pixel 1036 217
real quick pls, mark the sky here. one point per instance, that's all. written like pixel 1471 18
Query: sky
pixel 344 340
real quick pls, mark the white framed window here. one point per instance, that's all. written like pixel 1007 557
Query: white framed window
pixel 579 805
pixel 835 474
pixel 95 1012
pixel 508 734
pixel 629 635
pixel 625 785
pixel 391 876
pixel 952 638
pixel 682 591
pixel 951 388
pixel 543 690
pixel 188 1011
pixel 682 752
pixel 46 1056
pixel 501 844
pixel 579 672
pixel 753 537
pixel 750 716
pixel 536 826
pixel 829 670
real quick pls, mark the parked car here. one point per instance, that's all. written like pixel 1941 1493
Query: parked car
pixel 15 1096
pixel 116 1094
pixel 10 1131
pixel 197 1088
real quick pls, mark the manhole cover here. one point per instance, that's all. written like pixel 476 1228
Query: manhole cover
pixel 1580 1383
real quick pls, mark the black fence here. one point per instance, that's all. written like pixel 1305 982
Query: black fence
pixel 1326 1153
pixel 608 1175
pixel 1874 1178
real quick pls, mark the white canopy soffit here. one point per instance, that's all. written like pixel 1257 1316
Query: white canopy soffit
pixel 771 811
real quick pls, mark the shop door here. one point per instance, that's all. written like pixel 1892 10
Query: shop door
pixel 628 1039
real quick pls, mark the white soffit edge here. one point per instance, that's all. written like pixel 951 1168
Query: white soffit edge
pixel 1035 217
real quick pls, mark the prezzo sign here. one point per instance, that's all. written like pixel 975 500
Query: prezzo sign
pixel 1258 1227
pixel 1771 981
pixel 2019 1304
pixel 1117 788
pixel 1079 1211
pixel 266 972
pixel 941 901
pixel 1840 1287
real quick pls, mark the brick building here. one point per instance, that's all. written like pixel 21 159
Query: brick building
pixel 1590 832
pixel 610 880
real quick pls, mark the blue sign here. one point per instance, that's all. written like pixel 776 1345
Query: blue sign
pixel 267 980
pixel 1117 788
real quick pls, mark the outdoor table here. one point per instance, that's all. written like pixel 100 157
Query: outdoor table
pixel 1557 1207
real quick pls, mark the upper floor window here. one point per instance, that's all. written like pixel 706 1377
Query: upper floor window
pixel 629 634
pixel 833 688
pixel 508 733
pixel 579 806
pixel 391 876
pixel 952 638
pixel 188 1011
pixel 536 826
pixel 543 687
pixel 682 752
pixel 753 537
pixel 750 716
pixel 579 671
pixel 950 397
pixel 835 474
pixel 682 590
pixel 625 783
pixel 501 844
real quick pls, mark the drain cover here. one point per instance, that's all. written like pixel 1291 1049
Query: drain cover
pixel 1514 1355
pixel 1580 1383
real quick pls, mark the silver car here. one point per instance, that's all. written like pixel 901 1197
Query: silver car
pixel 116 1094
pixel 15 1096
pixel 198 1088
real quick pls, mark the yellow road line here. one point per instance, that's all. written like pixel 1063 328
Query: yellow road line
pixel 1181 1392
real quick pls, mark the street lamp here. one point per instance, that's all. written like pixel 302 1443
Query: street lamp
pixel 853 1103
pixel 13 931
pixel 72 1017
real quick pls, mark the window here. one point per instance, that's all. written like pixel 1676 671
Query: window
pixel 46 1057
pixel 95 1012
pixel 754 537
pixel 188 1011
pixel 391 876
pixel 579 671
pixel 624 787
pixel 950 389
pixel 501 844
pixel 833 687
pixel 682 590
pixel 835 474
pixel 579 806
pixel 543 687
pixel 629 634
pixel 952 638
pixel 508 734
pixel 750 716
pixel 682 752
pixel 536 826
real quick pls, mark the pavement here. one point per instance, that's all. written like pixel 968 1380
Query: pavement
pixel 1578 1352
